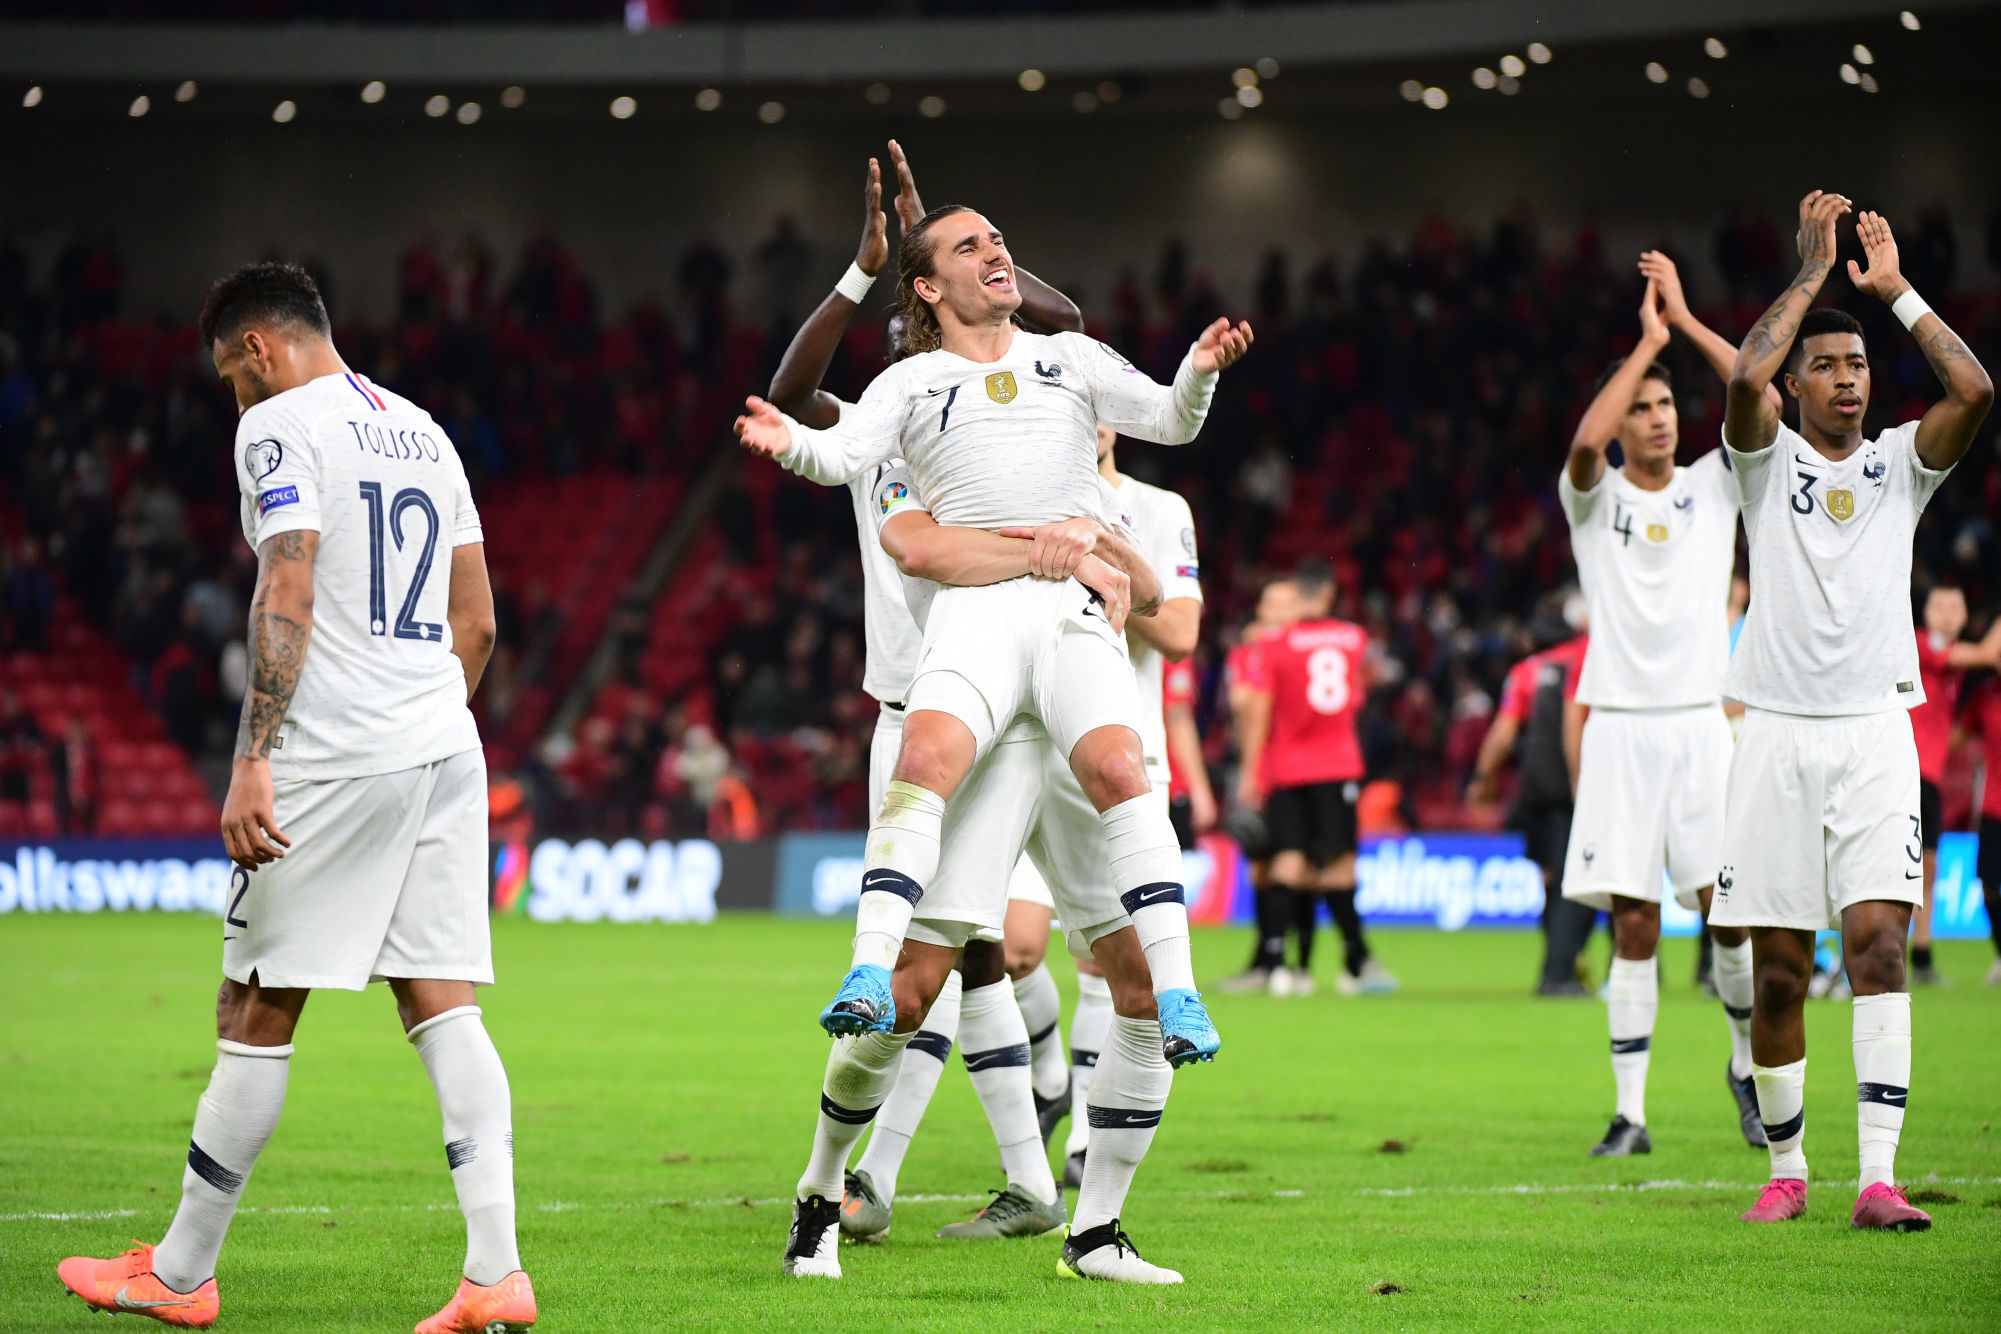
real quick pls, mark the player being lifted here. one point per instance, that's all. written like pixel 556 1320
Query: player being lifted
pixel 997 427
pixel 1822 824
pixel 356 813
pixel 993 1023
pixel 1302 759
pixel 1654 545
pixel 1020 787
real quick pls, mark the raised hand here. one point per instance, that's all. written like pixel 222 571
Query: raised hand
pixel 762 429
pixel 1222 345
pixel 1818 212
pixel 1661 274
pixel 1653 328
pixel 1110 584
pixel 1059 548
pixel 873 252
pixel 909 208
pixel 1884 277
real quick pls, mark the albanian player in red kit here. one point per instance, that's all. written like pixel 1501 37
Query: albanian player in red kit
pixel 1302 758
pixel 1983 720
pixel 1943 662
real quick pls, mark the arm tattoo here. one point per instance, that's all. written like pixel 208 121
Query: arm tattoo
pixel 277 655
pixel 1944 350
pixel 1776 330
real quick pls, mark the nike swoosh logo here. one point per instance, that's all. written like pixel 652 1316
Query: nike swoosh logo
pixel 876 880
pixel 125 1303
pixel 935 392
pixel 1145 899
pixel 1684 502
pixel 1912 875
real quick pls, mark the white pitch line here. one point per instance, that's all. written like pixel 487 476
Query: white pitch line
pixel 765 1202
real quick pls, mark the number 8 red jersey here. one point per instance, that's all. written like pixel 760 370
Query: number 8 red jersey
pixel 1313 672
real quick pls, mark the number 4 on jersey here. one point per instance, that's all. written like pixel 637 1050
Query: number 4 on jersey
pixel 407 626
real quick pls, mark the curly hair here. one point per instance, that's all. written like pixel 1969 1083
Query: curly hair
pixel 914 256
pixel 258 293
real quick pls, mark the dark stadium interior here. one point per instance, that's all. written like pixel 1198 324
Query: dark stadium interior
pixel 680 648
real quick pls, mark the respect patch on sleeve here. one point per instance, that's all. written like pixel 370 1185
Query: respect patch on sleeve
pixel 272 499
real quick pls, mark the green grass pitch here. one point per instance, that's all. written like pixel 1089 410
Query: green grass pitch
pixel 665 1081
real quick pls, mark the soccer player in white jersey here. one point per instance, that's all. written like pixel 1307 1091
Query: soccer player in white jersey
pixel 1822 824
pixel 1654 545
pixel 995 1051
pixel 1164 530
pixel 356 812
pixel 996 426
pixel 1023 795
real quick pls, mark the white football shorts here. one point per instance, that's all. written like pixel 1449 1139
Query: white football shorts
pixel 1021 797
pixel 1026 646
pixel 1649 800
pixel 1822 813
pixel 386 877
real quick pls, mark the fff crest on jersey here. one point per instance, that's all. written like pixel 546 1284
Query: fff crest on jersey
pixel 1841 504
pixel 1001 387
pixel 262 457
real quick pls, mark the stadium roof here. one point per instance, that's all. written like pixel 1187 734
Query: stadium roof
pixel 1304 36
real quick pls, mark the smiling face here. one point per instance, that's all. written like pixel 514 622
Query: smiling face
pixel 972 275
pixel 1830 378
pixel 1650 429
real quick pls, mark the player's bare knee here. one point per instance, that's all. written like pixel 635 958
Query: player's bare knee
pixel 1780 984
pixel 1024 957
pixel 1730 937
pixel 982 964
pixel 1111 769
pixel 1636 927
pixel 1876 965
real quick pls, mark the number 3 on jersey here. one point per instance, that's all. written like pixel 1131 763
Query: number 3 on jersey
pixel 407 626
pixel 1327 687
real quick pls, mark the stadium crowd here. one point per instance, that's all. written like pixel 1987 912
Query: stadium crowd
pixel 1404 415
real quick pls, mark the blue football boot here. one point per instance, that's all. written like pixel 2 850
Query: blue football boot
pixel 1186 1034
pixel 864 1004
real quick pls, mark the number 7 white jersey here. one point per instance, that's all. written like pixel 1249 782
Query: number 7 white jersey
pixel 376 478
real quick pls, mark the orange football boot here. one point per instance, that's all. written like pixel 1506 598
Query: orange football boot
pixel 127 1286
pixel 507 1307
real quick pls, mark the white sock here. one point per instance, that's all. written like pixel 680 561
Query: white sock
pixel 233 1121
pixel 1124 1111
pixel 994 1043
pixel 860 1073
pixel 1632 998
pixel 1090 1025
pixel 1782 1107
pixel 1732 972
pixel 1042 1010
pixel 901 858
pixel 896 1124
pixel 479 1135
pixel 1882 1081
pixel 1146 871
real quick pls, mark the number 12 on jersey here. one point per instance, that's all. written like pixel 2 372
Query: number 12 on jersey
pixel 407 626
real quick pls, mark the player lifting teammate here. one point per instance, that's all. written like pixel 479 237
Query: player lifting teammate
pixel 994 1029
pixel 1822 825
pixel 356 813
pixel 1056 677
pixel 1302 759
pixel 1654 545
